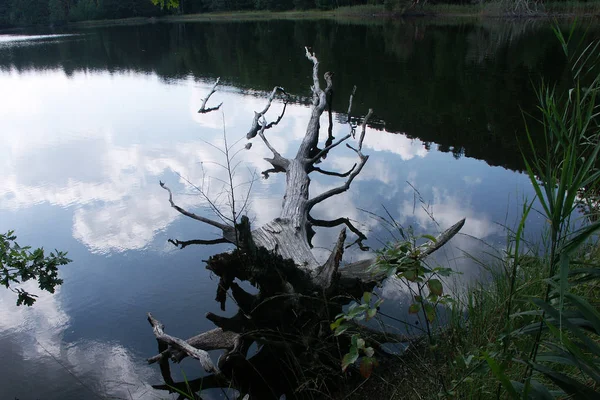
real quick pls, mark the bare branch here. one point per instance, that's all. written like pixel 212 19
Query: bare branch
pixel 364 128
pixel 203 108
pixel 443 238
pixel 325 150
pixel 363 160
pixel 340 189
pixel 340 174
pixel 340 221
pixel 350 102
pixel 330 136
pixel 319 96
pixel 316 88
pixel 278 120
pixel 273 170
pixel 212 203
pixel 261 133
pixel 198 354
pixel 192 215
pixel 183 244
pixel 214 339
pixel 258 115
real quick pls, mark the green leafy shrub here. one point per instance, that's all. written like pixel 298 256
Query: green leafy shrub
pixel 19 264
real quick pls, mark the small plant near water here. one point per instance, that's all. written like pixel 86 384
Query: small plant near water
pixel 357 312
pixel 545 345
pixel 403 261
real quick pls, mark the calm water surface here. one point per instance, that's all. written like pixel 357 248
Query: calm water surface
pixel 90 121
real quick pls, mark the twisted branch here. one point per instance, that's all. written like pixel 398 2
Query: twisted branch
pixel 203 109
pixel 340 221
pixel 255 127
pixel 363 160
pixel 330 173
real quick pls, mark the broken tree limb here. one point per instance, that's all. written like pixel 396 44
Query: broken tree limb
pixel 215 339
pixel 198 354
pixel 278 162
pixel 255 127
pixel 203 109
pixel 364 128
pixel 326 275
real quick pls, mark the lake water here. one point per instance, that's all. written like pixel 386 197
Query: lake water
pixel 91 120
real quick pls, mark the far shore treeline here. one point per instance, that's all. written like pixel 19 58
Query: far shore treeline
pixel 32 12
pixel 14 13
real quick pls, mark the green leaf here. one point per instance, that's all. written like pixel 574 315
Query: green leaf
pixel 435 287
pixel 341 329
pixel 430 237
pixel 429 312
pixel 349 358
pixel 410 275
pixel 414 308
pixel 371 313
pixel 367 297
pixel 336 323
pixel 568 384
pixel 499 374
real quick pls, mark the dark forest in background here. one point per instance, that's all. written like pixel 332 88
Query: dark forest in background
pixel 468 99
pixel 31 12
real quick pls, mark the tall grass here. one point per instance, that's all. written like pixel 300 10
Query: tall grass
pixel 548 335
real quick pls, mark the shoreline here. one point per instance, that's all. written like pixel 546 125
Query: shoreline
pixel 350 14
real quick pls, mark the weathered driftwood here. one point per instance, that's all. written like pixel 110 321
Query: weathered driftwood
pixel 298 297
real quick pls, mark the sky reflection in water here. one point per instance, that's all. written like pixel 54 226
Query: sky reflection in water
pixel 81 158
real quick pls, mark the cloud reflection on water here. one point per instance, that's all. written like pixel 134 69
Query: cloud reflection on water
pixel 90 367
pixel 100 158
